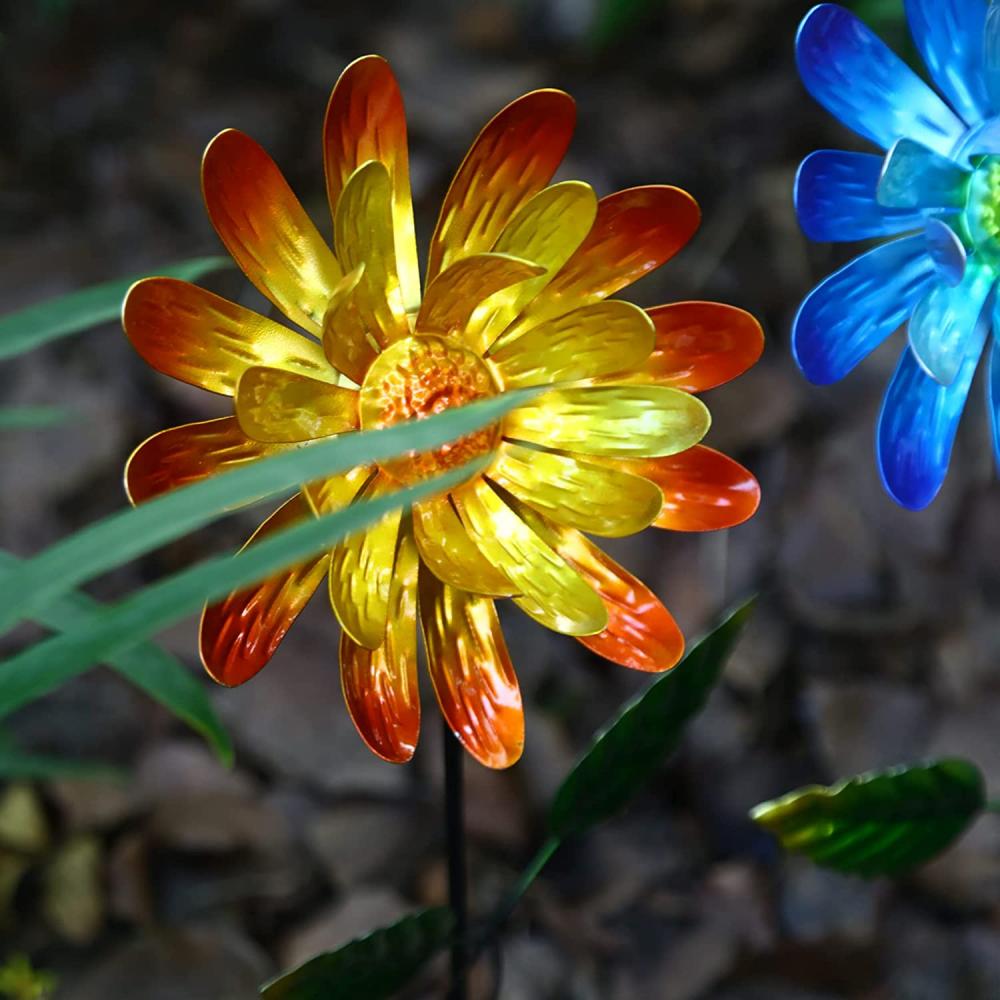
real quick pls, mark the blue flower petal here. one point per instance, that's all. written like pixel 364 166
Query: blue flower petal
pixel 916 177
pixel 993 394
pixel 916 430
pixel 835 199
pixel 949 35
pixel 947 251
pixel 870 89
pixel 991 53
pixel 847 316
pixel 951 324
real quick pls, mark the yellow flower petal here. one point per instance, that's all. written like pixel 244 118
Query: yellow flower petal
pixel 473 677
pixel 514 156
pixel 380 685
pixel 276 405
pixel 594 340
pixel 546 230
pixel 361 575
pixel 326 496
pixel 205 340
pixel 594 498
pixel 454 295
pixel 450 554
pixel 624 421
pixel 363 235
pixel 365 120
pixel 266 229
pixel 550 591
pixel 345 337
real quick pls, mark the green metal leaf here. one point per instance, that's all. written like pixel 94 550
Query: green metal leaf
pixel 883 823
pixel 133 532
pixel 120 626
pixel 628 752
pixel 374 967
pixel 22 418
pixel 15 765
pixel 150 667
pixel 30 328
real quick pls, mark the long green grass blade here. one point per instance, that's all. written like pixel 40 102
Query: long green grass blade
pixel 15 765
pixel 132 533
pixel 161 604
pixel 150 667
pixel 30 328
pixel 28 418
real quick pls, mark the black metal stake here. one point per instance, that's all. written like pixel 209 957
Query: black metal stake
pixel 454 817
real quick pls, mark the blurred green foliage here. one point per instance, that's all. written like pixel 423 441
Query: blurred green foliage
pixel 20 981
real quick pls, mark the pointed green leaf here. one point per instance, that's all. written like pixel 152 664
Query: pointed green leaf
pixel 374 967
pixel 627 753
pixel 132 533
pixel 148 666
pixel 30 328
pixel 15 765
pixel 120 626
pixel 883 823
pixel 22 418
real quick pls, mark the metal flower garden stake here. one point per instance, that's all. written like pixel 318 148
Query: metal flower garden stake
pixel 516 294
pixel 938 182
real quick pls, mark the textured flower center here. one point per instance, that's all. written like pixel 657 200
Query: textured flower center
pixel 982 213
pixel 418 377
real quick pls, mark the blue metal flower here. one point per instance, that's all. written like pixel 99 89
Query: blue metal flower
pixel 937 189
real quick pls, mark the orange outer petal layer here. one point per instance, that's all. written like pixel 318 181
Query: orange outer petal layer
pixel 514 156
pixel 641 632
pixel 185 454
pixel 703 490
pixel 473 677
pixel 366 120
pixel 635 232
pixel 699 346
pixel 239 635
pixel 380 685
pixel 266 229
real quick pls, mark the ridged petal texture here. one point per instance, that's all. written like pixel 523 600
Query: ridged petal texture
pixel 365 120
pixel 858 79
pixel 470 668
pixel 200 338
pixel 240 634
pixel 185 454
pixel 513 157
pixel 266 229
pixel 380 685
pixel 277 405
pixel 914 176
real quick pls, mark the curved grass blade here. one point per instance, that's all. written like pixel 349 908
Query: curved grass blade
pixel 150 667
pixel 30 328
pixel 27 418
pixel 626 754
pixel 375 966
pixel 155 607
pixel 882 823
pixel 17 766
pixel 131 533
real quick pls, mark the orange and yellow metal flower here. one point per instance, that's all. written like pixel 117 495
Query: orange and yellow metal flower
pixel 516 294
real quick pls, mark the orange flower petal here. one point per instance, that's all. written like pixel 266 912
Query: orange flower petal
pixel 450 554
pixel 699 346
pixel 363 237
pixel 595 498
pixel 361 574
pixel 266 230
pixel 473 677
pixel 197 337
pixel 365 120
pixel 185 454
pixel 380 685
pixel 239 635
pixel 549 590
pixel 514 156
pixel 636 231
pixel 547 230
pixel 345 335
pixel 641 633
pixel 277 405
pixel 703 490
pixel 588 342
pixel 454 295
